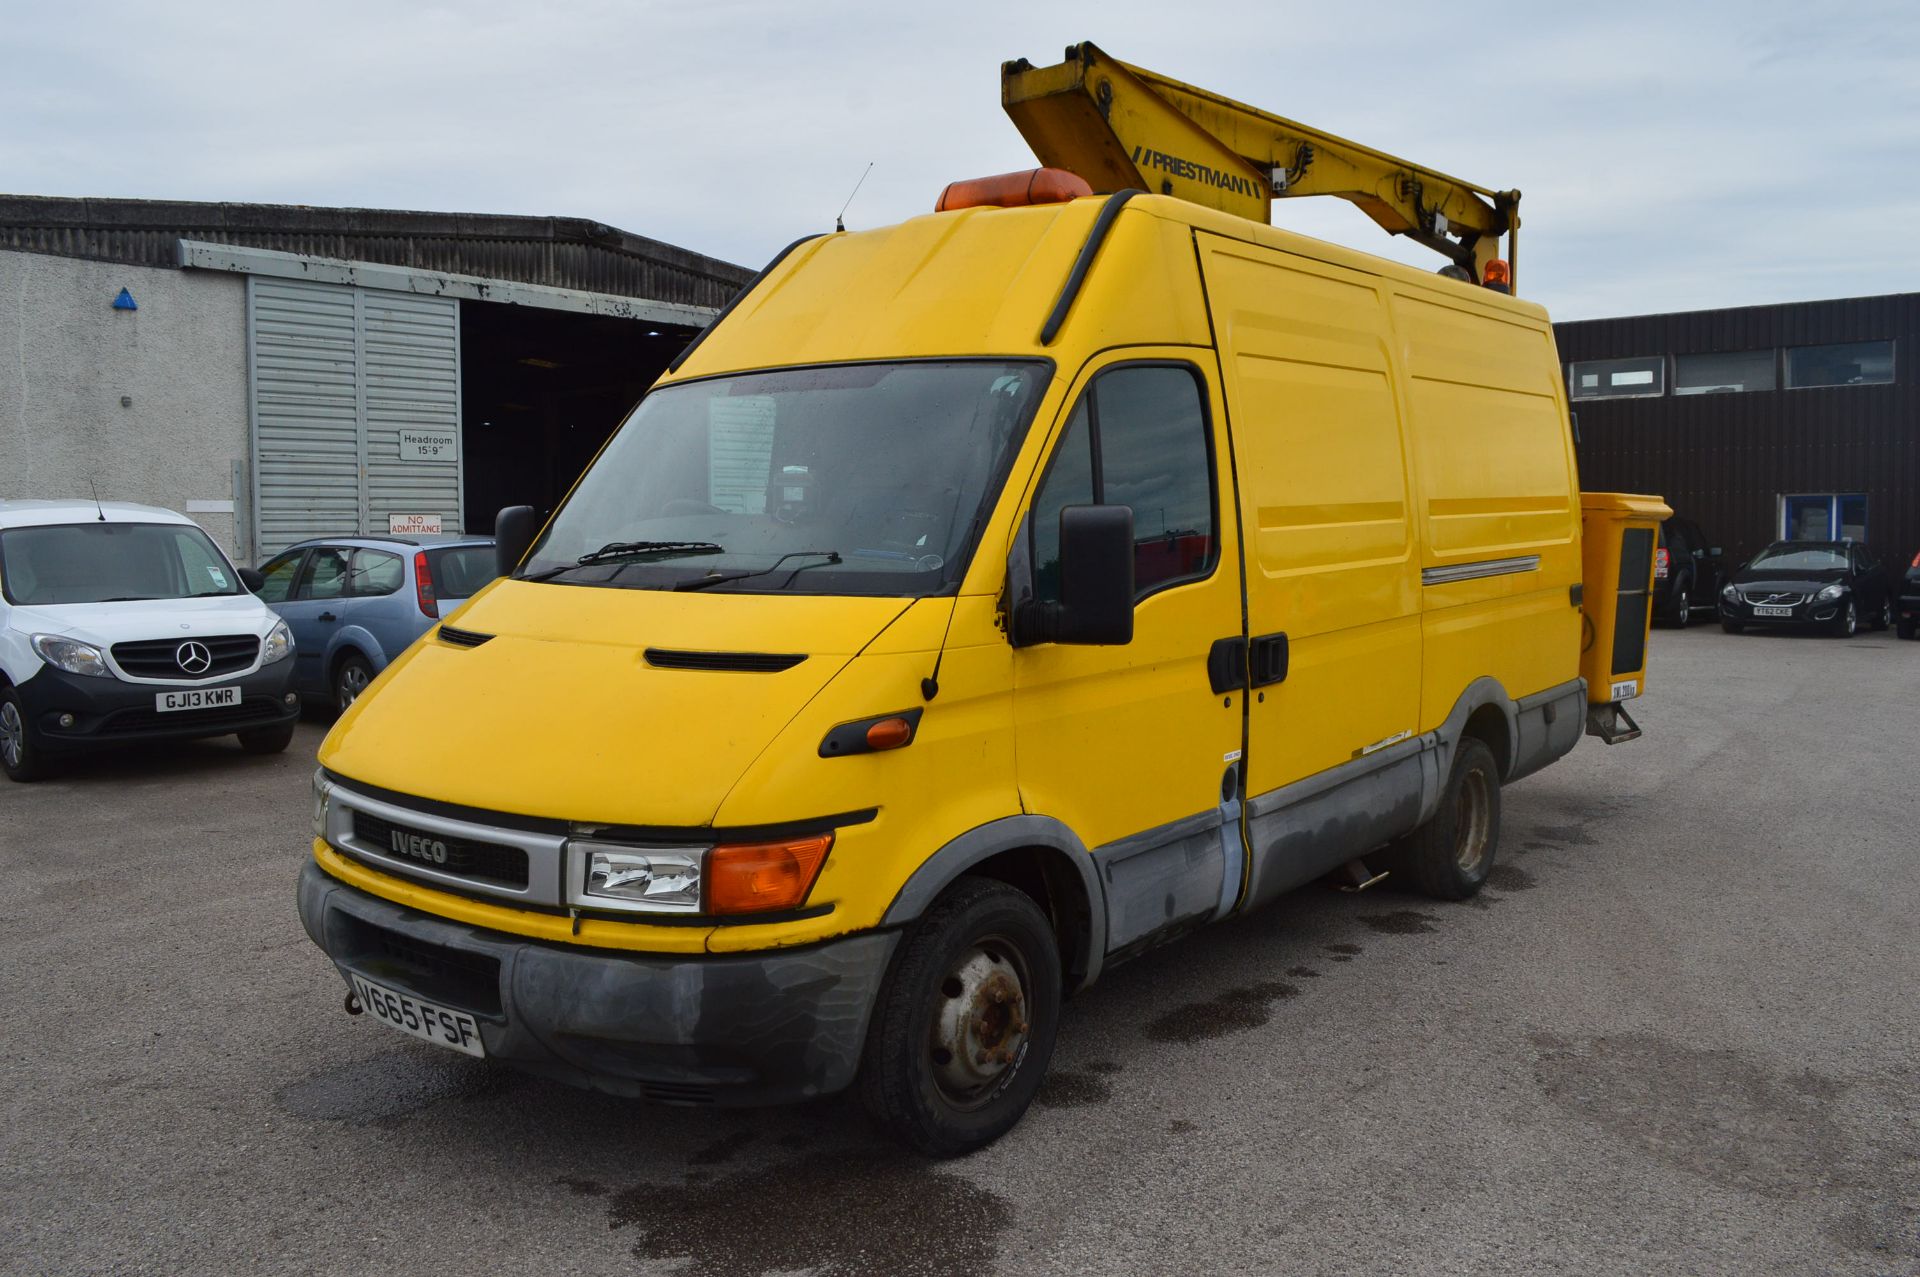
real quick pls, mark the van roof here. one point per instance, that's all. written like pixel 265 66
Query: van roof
pixel 983 280
pixel 25 514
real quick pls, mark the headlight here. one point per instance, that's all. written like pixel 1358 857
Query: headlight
pixel 322 794
pixel 279 644
pixel 71 655
pixel 641 879
pixel 1731 594
pixel 1831 593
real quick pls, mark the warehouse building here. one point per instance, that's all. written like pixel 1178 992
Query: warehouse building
pixel 281 372
pixel 1797 421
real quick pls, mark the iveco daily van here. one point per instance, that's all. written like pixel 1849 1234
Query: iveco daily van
pixel 984 600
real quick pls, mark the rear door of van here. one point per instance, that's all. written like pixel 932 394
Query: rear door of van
pixel 1333 593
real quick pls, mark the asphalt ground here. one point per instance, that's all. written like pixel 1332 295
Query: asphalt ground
pixel 1678 1034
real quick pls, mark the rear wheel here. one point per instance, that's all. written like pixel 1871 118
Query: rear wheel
pixel 1449 857
pixel 350 678
pixel 1906 629
pixel 965 1023
pixel 1732 627
pixel 1885 619
pixel 19 749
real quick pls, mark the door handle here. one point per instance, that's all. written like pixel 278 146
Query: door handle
pixel 1227 665
pixel 327 616
pixel 1267 659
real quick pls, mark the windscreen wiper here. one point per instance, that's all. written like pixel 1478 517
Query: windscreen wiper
pixel 702 582
pixel 618 550
pixel 622 549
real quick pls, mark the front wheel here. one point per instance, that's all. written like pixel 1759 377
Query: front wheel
pixel 964 1026
pixel 1732 627
pixel 1906 630
pixel 1450 856
pixel 1682 608
pixel 19 750
pixel 267 740
pixel 1849 623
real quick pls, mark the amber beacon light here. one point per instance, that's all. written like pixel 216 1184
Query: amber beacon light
pixel 1013 190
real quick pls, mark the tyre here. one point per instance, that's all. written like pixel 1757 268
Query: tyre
pixel 19 747
pixel 1848 623
pixel 1732 627
pixel 965 1023
pixel 1906 629
pixel 1448 858
pixel 350 678
pixel 1682 605
pixel 1884 621
pixel 267 740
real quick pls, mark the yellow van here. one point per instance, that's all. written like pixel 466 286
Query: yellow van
pixel 983 600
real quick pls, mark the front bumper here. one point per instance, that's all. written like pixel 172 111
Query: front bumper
pixel 762 1028
pixel 110 711
pixel 1812 612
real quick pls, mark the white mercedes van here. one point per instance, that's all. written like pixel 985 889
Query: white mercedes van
pixel 123 623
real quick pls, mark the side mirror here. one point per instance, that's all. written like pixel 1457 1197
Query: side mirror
pixel 513 531
pixel 1714 553
pixel 251 578
pixel 1096 582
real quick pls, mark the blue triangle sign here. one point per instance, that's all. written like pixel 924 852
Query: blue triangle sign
pixel 124 301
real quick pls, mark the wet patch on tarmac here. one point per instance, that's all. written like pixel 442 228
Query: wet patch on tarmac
pixel 1350 950
pixel 1401 922
pixel 721 1151
pixel 1066 1089
pixel 1305 973
pixel 1720 1115
pixel 1104 1066
pixel 582 1187
pixel 847 1213
pixel 1233 1011
pixel 1181 1126
pixel 393 1086
pixel 795 1140
pixel 1510 878
pixel 1563 835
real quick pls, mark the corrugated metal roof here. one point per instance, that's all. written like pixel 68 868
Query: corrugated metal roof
pixel 558 252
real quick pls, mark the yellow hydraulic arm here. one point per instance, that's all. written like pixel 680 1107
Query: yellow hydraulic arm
pixel 1122 127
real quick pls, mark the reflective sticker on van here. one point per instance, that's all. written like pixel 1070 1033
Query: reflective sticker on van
pixel 1626 691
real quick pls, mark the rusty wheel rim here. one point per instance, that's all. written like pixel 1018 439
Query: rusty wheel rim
pixel 981 1022
pixel 1473 821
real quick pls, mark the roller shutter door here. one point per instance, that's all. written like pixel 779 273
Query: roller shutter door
pixel 355 407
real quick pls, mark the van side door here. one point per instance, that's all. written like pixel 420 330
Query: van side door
pixel 1130 745
pixel 1333 595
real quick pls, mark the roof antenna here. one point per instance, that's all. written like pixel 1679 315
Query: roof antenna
pixel 100 509
pixel 840 222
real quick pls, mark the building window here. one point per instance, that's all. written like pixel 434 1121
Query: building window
pixel 1857 363
pixel 1617 378
pixel 1823 516
pixel 1715 374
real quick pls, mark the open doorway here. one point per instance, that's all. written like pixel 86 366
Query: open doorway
pixel 541 390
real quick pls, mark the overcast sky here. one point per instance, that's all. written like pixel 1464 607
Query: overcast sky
pixel 1672 155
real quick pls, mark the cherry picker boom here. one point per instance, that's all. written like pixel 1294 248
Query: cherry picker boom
pixel 1118 127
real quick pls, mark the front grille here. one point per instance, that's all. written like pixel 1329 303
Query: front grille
pixel 160 658
pixel 470 981
pixel 465 858
pixel 1765 599
pixel 255 710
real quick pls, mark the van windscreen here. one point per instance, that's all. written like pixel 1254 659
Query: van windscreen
pixel 111 563
pixel 835 479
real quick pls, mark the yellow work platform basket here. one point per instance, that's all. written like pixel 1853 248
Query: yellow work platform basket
pixel 1618 534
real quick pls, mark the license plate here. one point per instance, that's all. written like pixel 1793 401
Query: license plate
pixel 1773 611
pixel 417 1018
pixel 196 698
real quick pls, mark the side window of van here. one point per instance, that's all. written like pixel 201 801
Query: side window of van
pixel 1138 437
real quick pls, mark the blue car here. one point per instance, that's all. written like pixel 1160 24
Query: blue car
pixel 355 603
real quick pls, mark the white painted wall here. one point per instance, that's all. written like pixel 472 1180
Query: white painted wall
pixel 67 358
